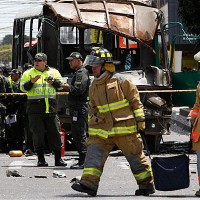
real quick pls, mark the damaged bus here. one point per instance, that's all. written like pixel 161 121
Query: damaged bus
pixel 130 30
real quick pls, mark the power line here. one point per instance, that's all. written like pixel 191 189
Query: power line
pixel 8 10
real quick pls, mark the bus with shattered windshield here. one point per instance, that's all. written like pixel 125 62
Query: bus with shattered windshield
pixel 130 30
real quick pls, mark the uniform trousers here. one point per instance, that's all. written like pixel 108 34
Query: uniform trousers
pixel 79 128
pixel 45 125
pixel 98 151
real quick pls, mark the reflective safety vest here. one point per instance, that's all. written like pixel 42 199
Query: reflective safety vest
pixel 41 89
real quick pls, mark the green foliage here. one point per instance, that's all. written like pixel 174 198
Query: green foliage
pixel 189 12
pixel 7 39
pixel 5 53
pixel 6 48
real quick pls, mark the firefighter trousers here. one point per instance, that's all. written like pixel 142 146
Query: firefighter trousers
pixel 98 151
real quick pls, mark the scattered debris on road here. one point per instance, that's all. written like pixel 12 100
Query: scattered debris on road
pixel 13 173
pixel 59 174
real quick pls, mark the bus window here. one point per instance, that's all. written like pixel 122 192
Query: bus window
pixel 31 28
pixel 69 35
pixel 130 60
pixel 92 37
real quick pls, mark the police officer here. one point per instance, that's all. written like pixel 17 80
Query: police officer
pixel 16 107
pixel 40 83
pixel 15 77
pixel 5 87
pixel 6 73
pixel 115 118
pixel 78 94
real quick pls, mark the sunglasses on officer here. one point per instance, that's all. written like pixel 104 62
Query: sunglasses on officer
pixel 37 60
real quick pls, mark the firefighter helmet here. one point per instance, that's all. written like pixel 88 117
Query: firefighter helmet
pixel 98 55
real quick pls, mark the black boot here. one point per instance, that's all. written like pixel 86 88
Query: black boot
pixel 197 193
pixel 41 159
pixel 80 164
pixel 58 160
pixel 81 188
pixel 145 191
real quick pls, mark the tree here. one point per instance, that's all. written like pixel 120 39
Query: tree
pixel 189 12
pixel 7 39
pixel 5 53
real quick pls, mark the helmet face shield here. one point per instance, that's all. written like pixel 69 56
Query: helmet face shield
pixel 99 55
pixel 92 60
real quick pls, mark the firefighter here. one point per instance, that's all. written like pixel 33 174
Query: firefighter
pixel 78 105
pixel 40 83
pixel 115 118
pixel 194 117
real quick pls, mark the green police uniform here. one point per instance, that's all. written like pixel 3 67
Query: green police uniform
pixel 41 110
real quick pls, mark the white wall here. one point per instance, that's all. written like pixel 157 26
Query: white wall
pixel 177 61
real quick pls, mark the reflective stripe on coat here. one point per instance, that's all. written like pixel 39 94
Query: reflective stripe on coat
pixel 114 105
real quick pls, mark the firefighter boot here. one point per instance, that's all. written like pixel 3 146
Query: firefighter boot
pixel 145 191
pixel 80 164
pixel 58 160
pixel 82 188
pixel 197 193
pixel 41 159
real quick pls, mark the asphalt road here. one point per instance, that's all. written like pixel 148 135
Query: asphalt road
pixel 117 182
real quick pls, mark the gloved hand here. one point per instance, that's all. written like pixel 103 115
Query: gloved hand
pixel 140 126
pixel 191 119
pixel 188 118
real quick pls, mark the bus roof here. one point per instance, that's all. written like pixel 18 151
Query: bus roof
pixel 30 13
pixel 130 19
